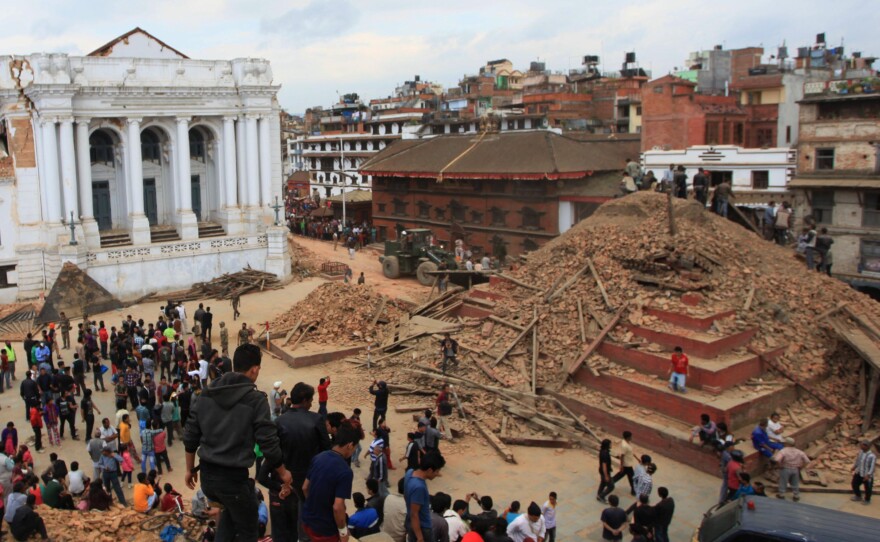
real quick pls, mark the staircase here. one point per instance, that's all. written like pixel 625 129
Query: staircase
pixel 114 238
pixel 163 234
pixel 627 388
pixel 210 229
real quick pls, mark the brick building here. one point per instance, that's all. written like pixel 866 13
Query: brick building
pixel 838 179
pixel 503 193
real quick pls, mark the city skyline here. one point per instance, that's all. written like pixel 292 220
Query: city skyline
pixel 320 48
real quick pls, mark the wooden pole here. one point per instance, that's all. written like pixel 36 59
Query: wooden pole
pixel 518 282
pixel 516 340
pixel 581 320
pixel 595 344
pixel 534 351
pixel 669 212
pixel 872 397
pixel 599 283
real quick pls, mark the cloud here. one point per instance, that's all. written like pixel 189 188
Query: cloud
pixel 317 20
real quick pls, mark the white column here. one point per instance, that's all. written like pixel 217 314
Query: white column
pixel 84 168
pixel 184 175
pixel 140 225
pixel 51 171
pixel 68 169
pixel 135 168
pixel 229 159
pixel 265 163
pixel 189 227
pixel 241 161
pixel 84 177
pixel 253 162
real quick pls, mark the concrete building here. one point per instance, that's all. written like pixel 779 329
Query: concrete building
pixel 502 192
pixel 756 175
pixel 149 153
pixel 838 180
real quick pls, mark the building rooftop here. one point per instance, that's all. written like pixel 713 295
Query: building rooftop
pixel 526 155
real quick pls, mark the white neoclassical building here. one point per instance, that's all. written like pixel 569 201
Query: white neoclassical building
pixel 167 165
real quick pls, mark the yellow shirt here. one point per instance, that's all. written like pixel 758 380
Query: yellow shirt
pixel 628 460
pixel 142 493
pixel 124 433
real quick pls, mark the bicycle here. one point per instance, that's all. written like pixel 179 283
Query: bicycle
pixel 191 527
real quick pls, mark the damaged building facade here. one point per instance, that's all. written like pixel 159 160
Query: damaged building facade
pixel 136 162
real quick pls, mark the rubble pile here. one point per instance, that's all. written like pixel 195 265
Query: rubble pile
pixel 621 260
pixel 119 523
pixel 337 313
pixel 304 262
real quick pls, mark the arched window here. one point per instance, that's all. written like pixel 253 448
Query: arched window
pixel 196 145
pixel 150 148
pixel 101 147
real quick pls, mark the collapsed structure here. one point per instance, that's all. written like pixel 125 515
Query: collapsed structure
pixel 583 331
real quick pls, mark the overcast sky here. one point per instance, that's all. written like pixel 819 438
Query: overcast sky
pixel 319 47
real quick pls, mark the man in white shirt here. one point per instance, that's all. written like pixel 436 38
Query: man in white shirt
pixel 668 176
pixel 203 372
pixel 457 527
pixel 774 430
pixel 528 526
pixel 76 480
pixel 181 314
pixel 394 514
pixel 108 433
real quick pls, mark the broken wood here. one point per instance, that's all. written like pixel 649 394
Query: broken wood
pixel 577 420
pixel 750 297
pixel 507 323
pixel 301 337
pixel 518 282
pixel 784 372
pixel 539 442
pixel 379 311
pixel 794 419
pixel 599 283
pixel 515 341
pixel 534 376
pixel 831 311
pixel 495 442
pixel 402 409
pixel 595 344
pixel 580 307
pixel 872 397
pixel 391 355
pixel 574 278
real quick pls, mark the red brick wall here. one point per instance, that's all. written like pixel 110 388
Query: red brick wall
pixel 494 193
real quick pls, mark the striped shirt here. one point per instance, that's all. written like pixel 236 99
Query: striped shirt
pixel 642 481
pixel 865 463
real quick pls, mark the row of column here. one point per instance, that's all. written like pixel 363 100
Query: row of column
pixel 245 155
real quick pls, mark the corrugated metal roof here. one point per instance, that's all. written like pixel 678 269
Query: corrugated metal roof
pixel 354 196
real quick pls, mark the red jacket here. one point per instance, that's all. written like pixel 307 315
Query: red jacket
pixel 322 391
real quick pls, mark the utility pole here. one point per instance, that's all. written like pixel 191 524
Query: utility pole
pixel 342 174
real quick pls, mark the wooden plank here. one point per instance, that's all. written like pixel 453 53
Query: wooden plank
pixel 539 442
pixel 301 337
pixel 574 278
pixel 596 342
pixel 746 219
pixel 794 419
pixel 865 323
pixel 553 287
pixel 518 282
pixel 872 397
pixel 863 381
pixel 858 340
pixel 507 323
pixel 391 355
pixel 750 297
pixel 458 402
pixel 831 311
pixel 412 408
pixel 495 442
pixel 599 283
pixel 405 339
pixel 488 371
pixel 534 377
pixel 515 341
pixel 577 420
pixel 378 312
pixel 581 320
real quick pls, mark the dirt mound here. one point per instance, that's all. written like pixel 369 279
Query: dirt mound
pixel 338 313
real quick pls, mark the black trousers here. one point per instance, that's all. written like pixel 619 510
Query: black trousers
pixel 858 482
pixel 235 492
pixel 38 438
pixel 70 419
pixel 605 488
pixel 282 515
pixel 90 424
pixel 378 413
pixel 628 472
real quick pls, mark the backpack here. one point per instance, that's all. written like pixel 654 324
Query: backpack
pixel 782 218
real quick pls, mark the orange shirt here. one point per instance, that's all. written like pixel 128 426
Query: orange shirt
pixel 142 493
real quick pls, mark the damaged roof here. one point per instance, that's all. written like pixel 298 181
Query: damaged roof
pixel 527 155
pixel 107 48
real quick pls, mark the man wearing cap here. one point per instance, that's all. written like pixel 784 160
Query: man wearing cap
pixel 790 460
pixel 529 526
pixel 225 423
pixel 277 399
pixel 863 472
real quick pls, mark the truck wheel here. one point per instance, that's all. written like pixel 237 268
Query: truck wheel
pixel 390 267
pixel 422 273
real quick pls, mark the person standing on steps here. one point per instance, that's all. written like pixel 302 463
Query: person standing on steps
pixel 678 372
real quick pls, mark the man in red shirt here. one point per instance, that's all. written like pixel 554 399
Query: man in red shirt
pixel 322 396
pixel 678 371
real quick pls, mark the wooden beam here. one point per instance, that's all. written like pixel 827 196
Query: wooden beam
pixel 391 355
pixel 405 339
pixel 534 378
pixel 553 287
pixel 495 442
pixel 599 283
pixel 746 219
pixel 379 311
pixel 872 397
pixel 518 282
pixel 784 372
pixel 507 323
pixel 568 283
pixel 749 297
pixel 596 316
pixel 539 442
pixel 581 320
pixel 458 402
pixel 577 420
pixel 412 408
pixel 833 310
pixel 515 341
pixel 595 344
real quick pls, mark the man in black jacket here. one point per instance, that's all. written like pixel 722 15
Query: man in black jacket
pixel 663 511
pixel 380 407
pixel 225 422
pixel 303 436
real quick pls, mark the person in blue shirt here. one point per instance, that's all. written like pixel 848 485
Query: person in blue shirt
pixel 417 498
pixel 328 485
pixel 745 486
pixel 262 514
pixel 364 521
pixel 761 440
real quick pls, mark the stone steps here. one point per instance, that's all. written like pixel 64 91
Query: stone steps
pixel 210 229
pixel 115 239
